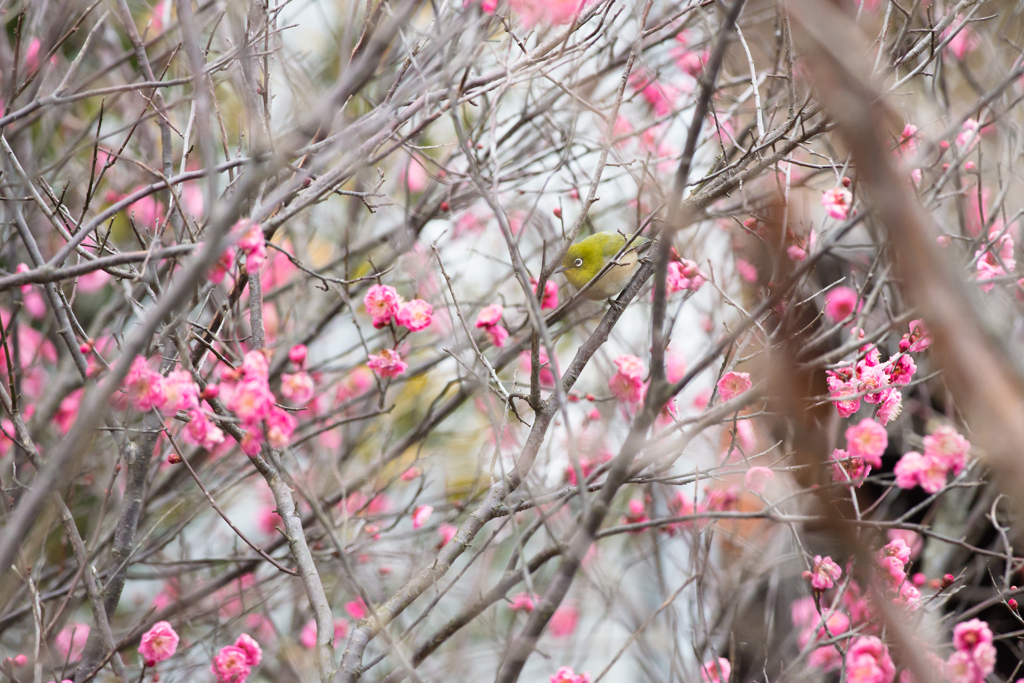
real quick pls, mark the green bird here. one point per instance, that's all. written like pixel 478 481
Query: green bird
pixel 586 258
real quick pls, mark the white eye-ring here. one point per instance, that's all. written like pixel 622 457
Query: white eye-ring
pixel 579 262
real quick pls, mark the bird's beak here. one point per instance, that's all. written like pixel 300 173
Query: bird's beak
pixel 559 269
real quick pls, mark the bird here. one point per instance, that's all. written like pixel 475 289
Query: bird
pixel 586 258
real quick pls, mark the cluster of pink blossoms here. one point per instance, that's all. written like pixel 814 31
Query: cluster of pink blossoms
pixel 251 243
pixel 945 451
pixel 307 637
pixel 877 383
pixel 684 275
pixel 628 383
pixel 250 398
pixel 837 202
pixel 158 643
pixel 567 675
pixel 297 387
pixel 868 661
pixel 550 298
pixel 894 559
pixel 823 574
pixel 384 304
pixel 148 389
pixel 489 319
pixel 234 663
pixel 975 655
pixel 865 444
pixel 996 259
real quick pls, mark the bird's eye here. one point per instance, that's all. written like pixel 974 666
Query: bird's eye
pixel 579 263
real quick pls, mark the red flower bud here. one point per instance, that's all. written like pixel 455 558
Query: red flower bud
pixel 174 458
pixel 211 391
pixel 590 397
pixel 1012 603
pixel 445 206
pixel 847 182
pixel 557 212
pixel 948 580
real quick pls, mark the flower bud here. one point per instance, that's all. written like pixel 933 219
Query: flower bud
pixel 557 212
pixel 847 182
pixel 948 580
pixel 445 206
pixel 174 458
pixel 1012 603
pixel 297 354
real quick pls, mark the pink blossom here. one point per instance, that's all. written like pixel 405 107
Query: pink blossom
pixel 826 658
pixel 93 282
pixel 145 386
pixel 382 303
pixel 716 671
pixel 628 383
pixel 841 303
pixel 962 667
pixel 67 412
pixel 964 42
pixel 307 637
pixel 356 608
pixel 280 426
pixel 468 223
pixel 890 406
pixel 908 597
pixel 489 315
pixel 297 388
pixel 902 370
pixel 837 202
pixel 847 468
pixel 968 134
pixel 563 621
pixel 949 447
pixel 269 520
pixel 684 275
pixel 251 400
pixel 567 675
pixel 746 270
pixel 867 440
pixel 660 96
pixel 868 661
pixel 414 315
pixel 297 355
pixel 70 641
pixel 420 515
pixel 675 367
pixel 897 548
pixel 918 338
pixel 908 139
pixel 357 383
pixel 201 431
pixel 756 478
pixel 387 363
pixel 447 533
pixel 230 665
pixel 179 392
pixel 838 391
pixel 252 243
pixel 892 571
pixel 967 636
pixel 253 653
pixel 824 574
pixel 925 470
pixel 414 176
pixel 911 539
pixel 996 260
pixel 872 381
pixel 31 60
pixel 158 643
pixel 225 264
pixel 524 602
pixel 691 62
pixel 733 384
